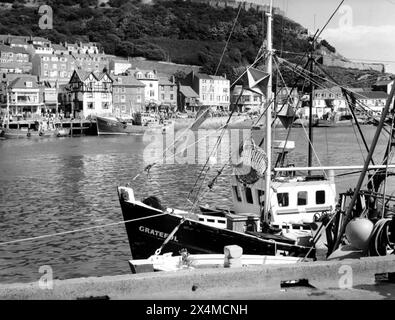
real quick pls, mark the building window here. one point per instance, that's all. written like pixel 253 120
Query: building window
pixel 151 85
pixel 28 84
pixel 162 88
pixel 162 96
pixel 123 108
pixel 90 105
pixel 116 90
pixel 138 98
pixel 237 194
pixel 172 97
pixel 151 93
pixel 122 98
pixel 105 105
pixel 123 89
pixel 116 98
pixel 45 66
pixel 283 199
pixel 249 197
pixel 302 198
pixel 320 197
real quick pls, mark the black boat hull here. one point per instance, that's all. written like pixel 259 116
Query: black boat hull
pixel 147 228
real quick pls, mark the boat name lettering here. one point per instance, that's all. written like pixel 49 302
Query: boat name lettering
pixel 156 233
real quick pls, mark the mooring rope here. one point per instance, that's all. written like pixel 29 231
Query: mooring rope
pixel 80 230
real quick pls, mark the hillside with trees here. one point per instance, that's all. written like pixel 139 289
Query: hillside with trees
pixel 177 31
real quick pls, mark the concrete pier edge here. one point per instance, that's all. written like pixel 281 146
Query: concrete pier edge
pixel 203 283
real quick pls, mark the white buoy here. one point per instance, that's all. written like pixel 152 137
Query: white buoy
pixel 358 232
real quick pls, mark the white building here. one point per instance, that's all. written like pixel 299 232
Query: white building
pixel 213 91
pixel 151 82
pixel 118 66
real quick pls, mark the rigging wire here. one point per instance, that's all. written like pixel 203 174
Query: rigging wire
pixel 227 41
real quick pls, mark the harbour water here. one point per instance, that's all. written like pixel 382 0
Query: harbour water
pixel 49 186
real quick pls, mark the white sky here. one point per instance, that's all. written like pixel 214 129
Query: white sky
pixel 361 29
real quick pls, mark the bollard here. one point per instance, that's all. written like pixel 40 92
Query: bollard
pixel 233 254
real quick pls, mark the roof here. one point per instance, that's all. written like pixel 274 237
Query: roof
pixel 127 81
pixel 218 78
pixel 145 72
pixel 9 76
pixel 13 40
pixel 20 82
pixel 188 92
pixel 119 60
pixel 165 82
pixel 203 76
pixel 4 48
pixel 58 47
pixel 372 95
pixel 83 75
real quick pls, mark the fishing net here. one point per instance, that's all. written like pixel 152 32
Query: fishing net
pixel 253 163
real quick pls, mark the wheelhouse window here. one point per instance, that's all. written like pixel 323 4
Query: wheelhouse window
pixel 320 197
pixel 302 198
pixel 237 194
pixel 283 199
pixel 249 197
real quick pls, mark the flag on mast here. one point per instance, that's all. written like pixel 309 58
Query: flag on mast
pixel 257 80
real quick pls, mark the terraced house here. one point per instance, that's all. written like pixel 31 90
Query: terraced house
pixel 128 95
pixel 53 68
pixel 151 90
pixel 23 93
pixel 167 93
pixel 14 59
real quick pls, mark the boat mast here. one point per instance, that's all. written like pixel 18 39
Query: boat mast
pixel 269 111
pixel 310 153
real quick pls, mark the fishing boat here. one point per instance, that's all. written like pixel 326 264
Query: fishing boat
pixel 118 126
pixel 38 130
